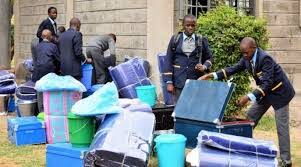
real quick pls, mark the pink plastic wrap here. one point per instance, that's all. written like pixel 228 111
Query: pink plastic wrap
pixel 57 129
pixel 59 103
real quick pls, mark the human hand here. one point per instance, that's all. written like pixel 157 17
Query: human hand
pixel 89 60
pixel 243 101
pixel 206 77
pixel 200 67
pixel 170 88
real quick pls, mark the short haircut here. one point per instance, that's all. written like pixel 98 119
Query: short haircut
pixel 113 36
pixel 190 16
pixel 61 28
pixel 50 8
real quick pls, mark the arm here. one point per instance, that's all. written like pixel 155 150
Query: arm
pixel 77 45
pixel 56 57
pixel 207 54
pixel 267 79
pixel 168 68
pixel 112 49
pixel 40 29
pixel 227 72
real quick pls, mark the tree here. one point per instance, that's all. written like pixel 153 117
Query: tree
pixel 224 28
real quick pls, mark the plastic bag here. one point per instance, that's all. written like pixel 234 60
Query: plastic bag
pixel 53 82
pixel 103 101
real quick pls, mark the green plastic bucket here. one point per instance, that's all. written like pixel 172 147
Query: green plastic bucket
pixel 81 130
pixel 170 150
pixel 147 94
pixel 41 116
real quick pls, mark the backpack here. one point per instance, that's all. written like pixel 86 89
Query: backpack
pixel 199 44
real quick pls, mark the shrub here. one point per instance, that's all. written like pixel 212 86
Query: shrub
pixel 224 28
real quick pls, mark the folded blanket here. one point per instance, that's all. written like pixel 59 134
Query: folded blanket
pixel 7 86
pixel 212 157
pixel 4 75
pixel 238 144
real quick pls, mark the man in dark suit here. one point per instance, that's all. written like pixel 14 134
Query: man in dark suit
pixel 47 60
pixel 188 57
pixel 49 24
pixel 71 52
pixel 274 89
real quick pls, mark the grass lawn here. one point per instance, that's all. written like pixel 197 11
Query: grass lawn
pixel 34 156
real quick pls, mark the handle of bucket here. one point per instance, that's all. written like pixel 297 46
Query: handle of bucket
pixel 80 128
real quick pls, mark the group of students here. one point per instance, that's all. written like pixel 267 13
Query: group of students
pixel 189 57
pixel 58 51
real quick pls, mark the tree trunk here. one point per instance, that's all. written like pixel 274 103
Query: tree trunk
pixel 5 33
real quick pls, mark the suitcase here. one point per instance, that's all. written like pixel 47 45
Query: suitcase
pixel 63 154
pixel 122 140
pixel 26 130
pixel 201 106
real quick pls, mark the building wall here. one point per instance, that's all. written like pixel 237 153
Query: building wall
pixel 283 18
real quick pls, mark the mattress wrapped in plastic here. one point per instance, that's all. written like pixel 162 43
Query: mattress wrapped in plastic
pixel 127 76
pixel 7 86
pixel 168 97
pixel 212 157
pixel 143 62
pixel 123 139
pixel 26 91
pixel 57 129
pixel 237 144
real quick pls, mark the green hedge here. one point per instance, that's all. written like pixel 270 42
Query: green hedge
pixel 225 27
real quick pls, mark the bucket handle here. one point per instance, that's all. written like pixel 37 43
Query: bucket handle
pixel 80 128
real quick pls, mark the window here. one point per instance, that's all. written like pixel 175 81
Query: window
pixel 197 7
